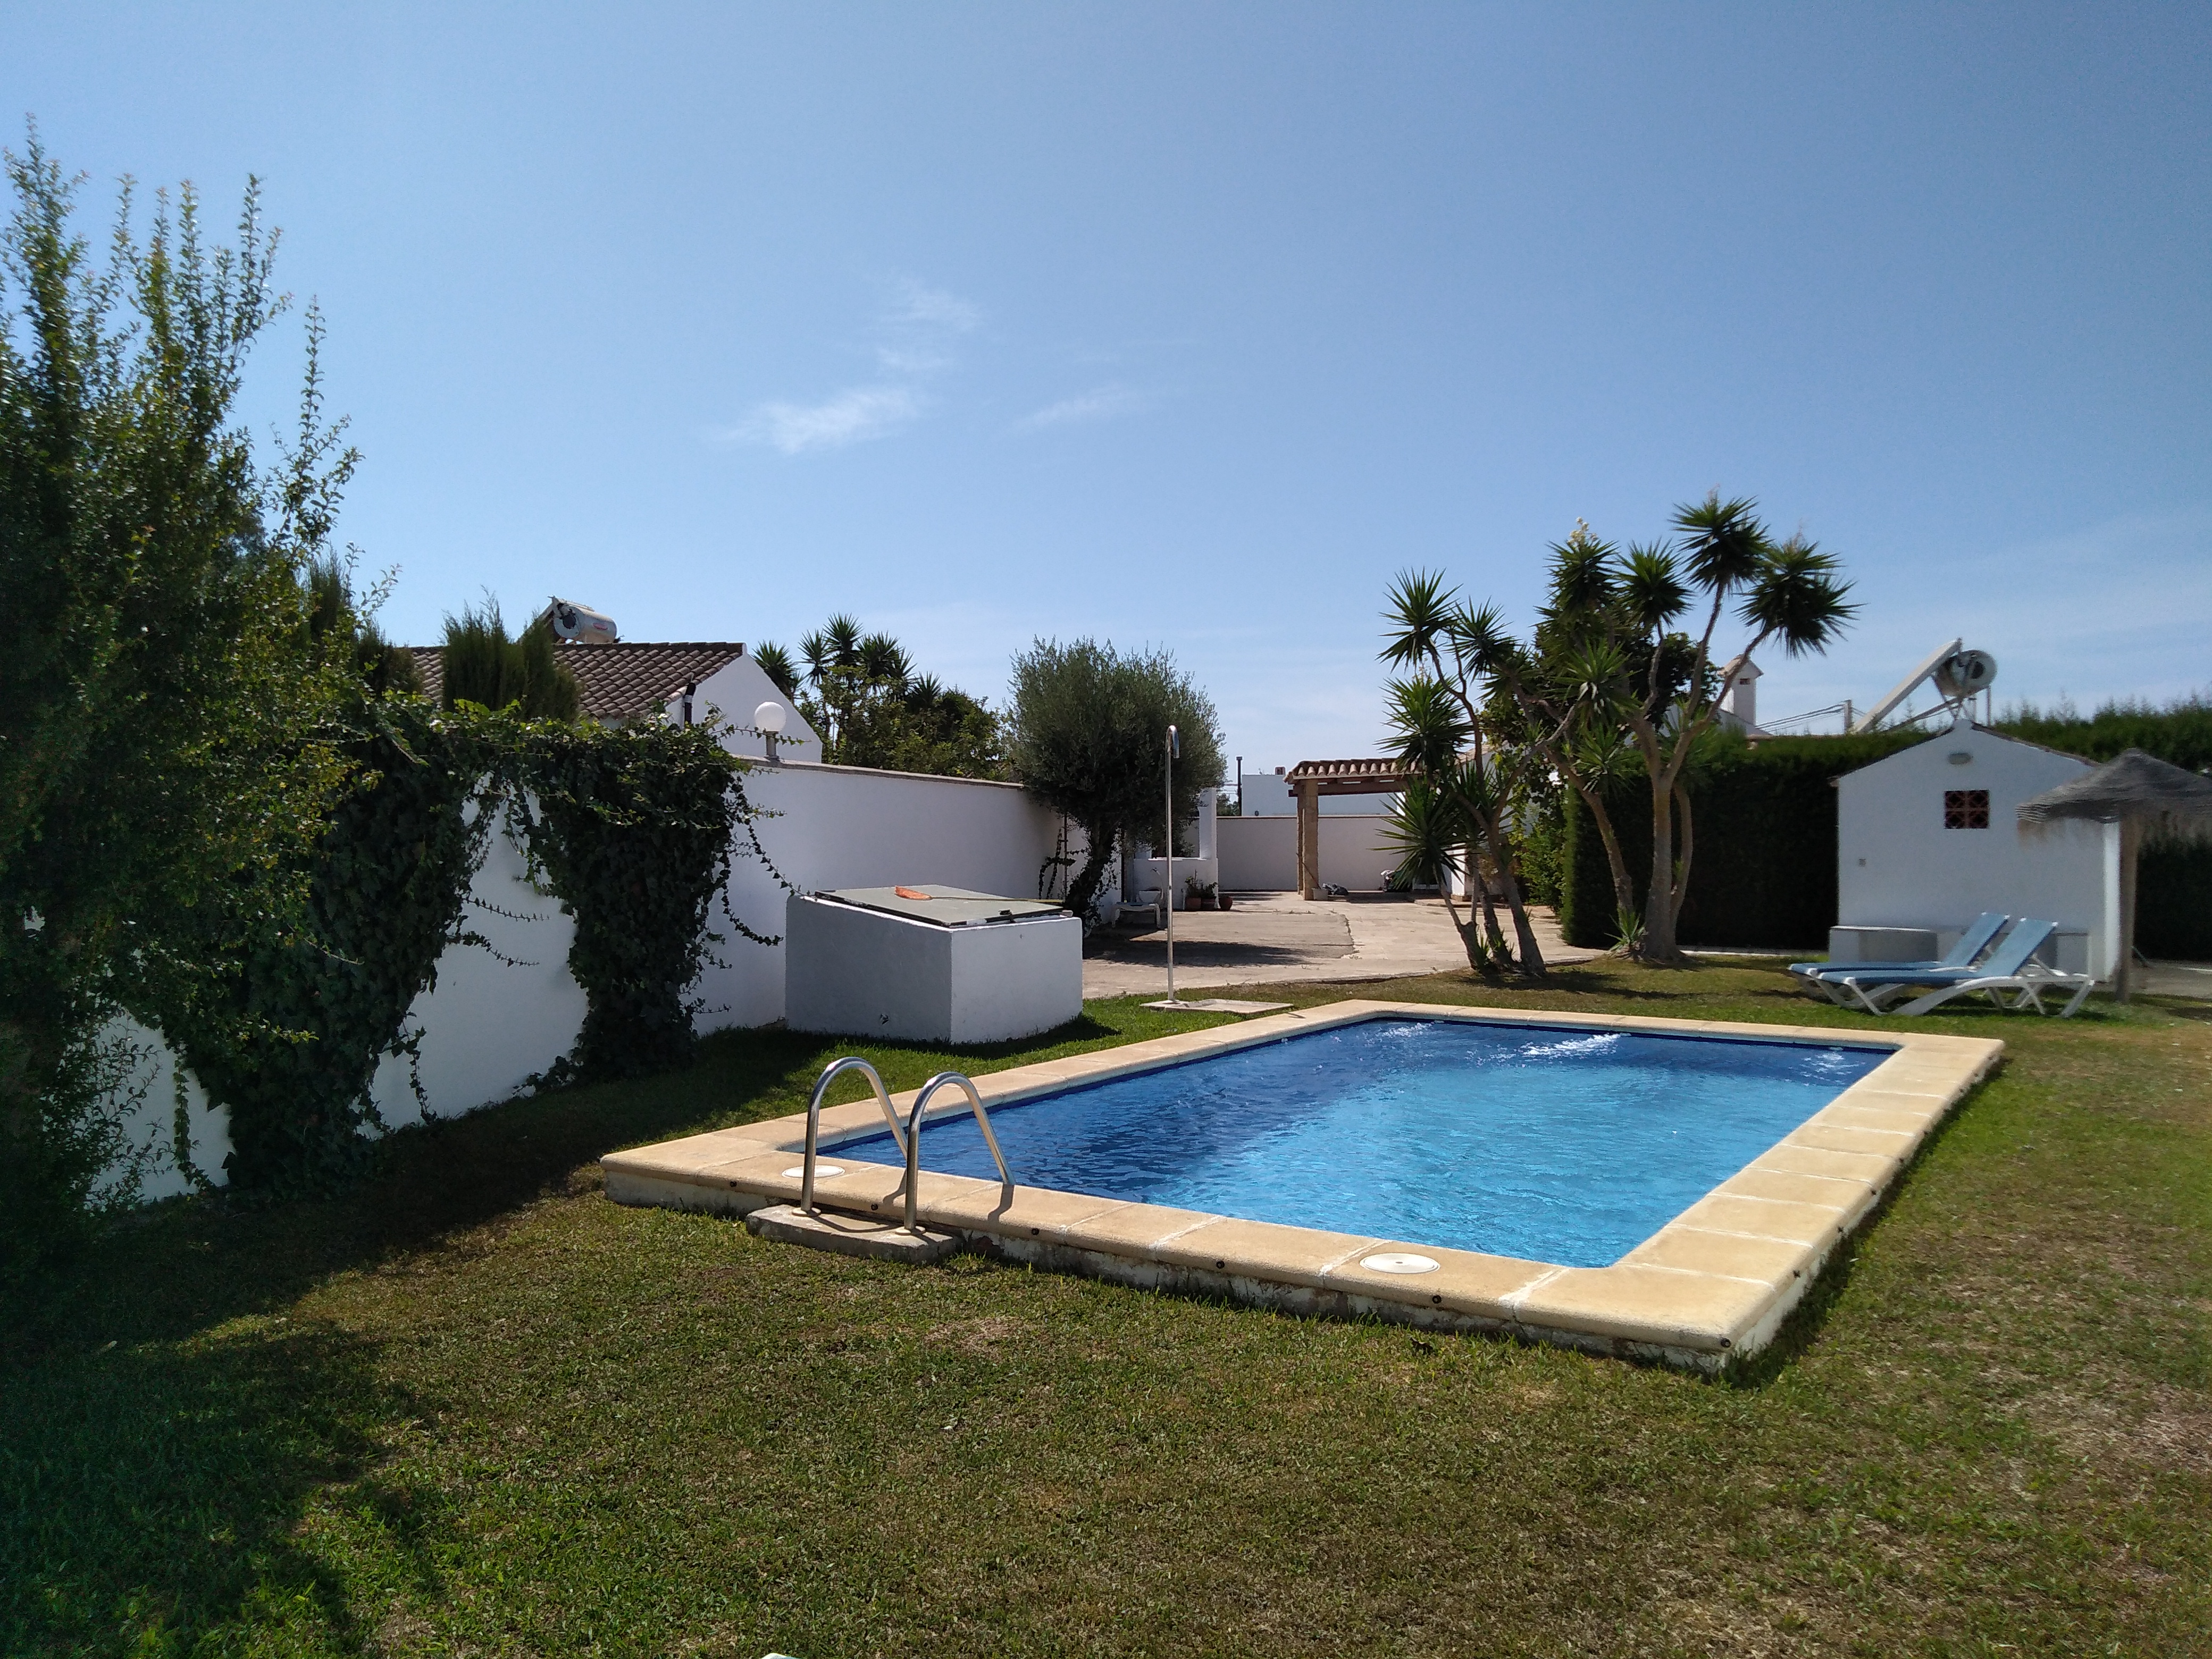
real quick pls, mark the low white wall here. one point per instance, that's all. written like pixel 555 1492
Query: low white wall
pixel 496 1017
pixel 1260 855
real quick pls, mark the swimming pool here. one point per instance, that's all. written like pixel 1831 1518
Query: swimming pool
pixel 1457 1169
pixel 1545 1142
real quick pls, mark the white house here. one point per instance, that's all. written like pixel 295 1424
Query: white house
pixel 1267 795
pixel 1929 838
pixel 686 681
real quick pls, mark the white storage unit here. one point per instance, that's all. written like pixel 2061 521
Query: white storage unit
pixel 930 964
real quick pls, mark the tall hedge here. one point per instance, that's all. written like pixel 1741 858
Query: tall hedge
pixel 1763 867
pixel 1763 872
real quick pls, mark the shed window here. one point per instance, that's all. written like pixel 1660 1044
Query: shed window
pixel 1965 809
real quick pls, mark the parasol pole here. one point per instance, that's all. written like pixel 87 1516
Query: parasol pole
pixel 2131 851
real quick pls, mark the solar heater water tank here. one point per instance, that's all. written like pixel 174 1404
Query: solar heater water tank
pixel 929 964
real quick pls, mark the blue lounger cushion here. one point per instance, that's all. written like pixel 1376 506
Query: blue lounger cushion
pixel 1971 942
pixel 2028 937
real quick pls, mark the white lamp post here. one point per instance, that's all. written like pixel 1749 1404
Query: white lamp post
pixel 769 717
pixel 1167 895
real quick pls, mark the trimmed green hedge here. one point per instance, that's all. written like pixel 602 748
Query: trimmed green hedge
pixel 1763 873
pixel 1763 867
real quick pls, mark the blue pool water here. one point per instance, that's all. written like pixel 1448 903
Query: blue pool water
pixel 1555 1144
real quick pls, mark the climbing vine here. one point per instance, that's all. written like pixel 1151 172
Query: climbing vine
pixel 289 1033
pixel 633 831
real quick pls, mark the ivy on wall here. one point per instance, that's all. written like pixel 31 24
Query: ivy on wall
pixel 631 830
pixel 289 1037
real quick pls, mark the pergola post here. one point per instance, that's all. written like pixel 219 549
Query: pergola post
pixel 1309 840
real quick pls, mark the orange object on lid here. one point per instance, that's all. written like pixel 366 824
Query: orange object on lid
pixel 909 892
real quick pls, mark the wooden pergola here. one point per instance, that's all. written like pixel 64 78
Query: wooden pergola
pixel 1310 780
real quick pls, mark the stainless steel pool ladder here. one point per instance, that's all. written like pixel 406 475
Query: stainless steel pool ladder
pixel 830 1075
pixel 908 1139
pixel 913 1138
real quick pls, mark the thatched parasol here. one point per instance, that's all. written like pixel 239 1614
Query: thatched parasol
pixel 2145 796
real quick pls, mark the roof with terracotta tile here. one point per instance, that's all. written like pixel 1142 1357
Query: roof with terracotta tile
pixel 1349 777
pixel 614 681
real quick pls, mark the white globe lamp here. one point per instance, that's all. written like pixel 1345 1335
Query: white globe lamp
pixel 768 718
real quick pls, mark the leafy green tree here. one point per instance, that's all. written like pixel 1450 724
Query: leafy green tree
pixel 1090 729
pixel 164 758
pixel 860 692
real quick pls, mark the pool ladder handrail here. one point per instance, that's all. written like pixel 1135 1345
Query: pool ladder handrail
pixel 831 1073
pixel 912 1143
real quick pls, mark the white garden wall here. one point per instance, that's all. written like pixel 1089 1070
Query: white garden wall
pixel 1260 855
pixel 497 1016
pixel 843 826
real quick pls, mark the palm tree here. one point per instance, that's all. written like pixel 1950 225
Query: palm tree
pixel 775 662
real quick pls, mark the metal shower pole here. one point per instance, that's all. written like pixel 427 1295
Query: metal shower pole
pixel 1167 894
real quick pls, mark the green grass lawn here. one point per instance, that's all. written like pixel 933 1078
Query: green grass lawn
pixel 476 1408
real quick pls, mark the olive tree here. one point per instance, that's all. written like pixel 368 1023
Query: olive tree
pixel 1090 730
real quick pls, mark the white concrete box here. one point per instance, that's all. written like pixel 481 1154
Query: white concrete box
pixel 930 964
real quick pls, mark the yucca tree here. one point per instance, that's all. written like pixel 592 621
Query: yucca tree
pixel 1609 684
pixel 1436 722
pixel 1430 830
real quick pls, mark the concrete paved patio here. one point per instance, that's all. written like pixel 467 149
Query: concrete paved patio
pixel 1273 938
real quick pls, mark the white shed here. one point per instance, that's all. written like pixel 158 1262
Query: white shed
pixel 1929 838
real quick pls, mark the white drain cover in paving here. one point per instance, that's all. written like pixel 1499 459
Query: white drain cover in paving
pixel 1399 1262
pixel 798 1171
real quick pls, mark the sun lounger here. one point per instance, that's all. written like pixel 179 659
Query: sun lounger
pixel 2025 988
pixel 2010 970
pixel 1971 942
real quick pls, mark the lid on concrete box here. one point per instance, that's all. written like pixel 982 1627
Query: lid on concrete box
pixel 947 906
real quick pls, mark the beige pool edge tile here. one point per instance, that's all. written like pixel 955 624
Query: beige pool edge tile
pixel 1260 1249
pixel 1805 1225
pixel 1770 1262
pixel 1462 1281
pixel 1664 1307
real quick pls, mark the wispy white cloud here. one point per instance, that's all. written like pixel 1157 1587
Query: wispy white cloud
pixel 917 333
pixel 933 307
pixel 1101 402
pixel 861 412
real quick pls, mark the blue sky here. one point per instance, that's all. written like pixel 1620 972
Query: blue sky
pixel 1189 325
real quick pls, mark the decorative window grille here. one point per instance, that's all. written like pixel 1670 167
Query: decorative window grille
pixel 1965 809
